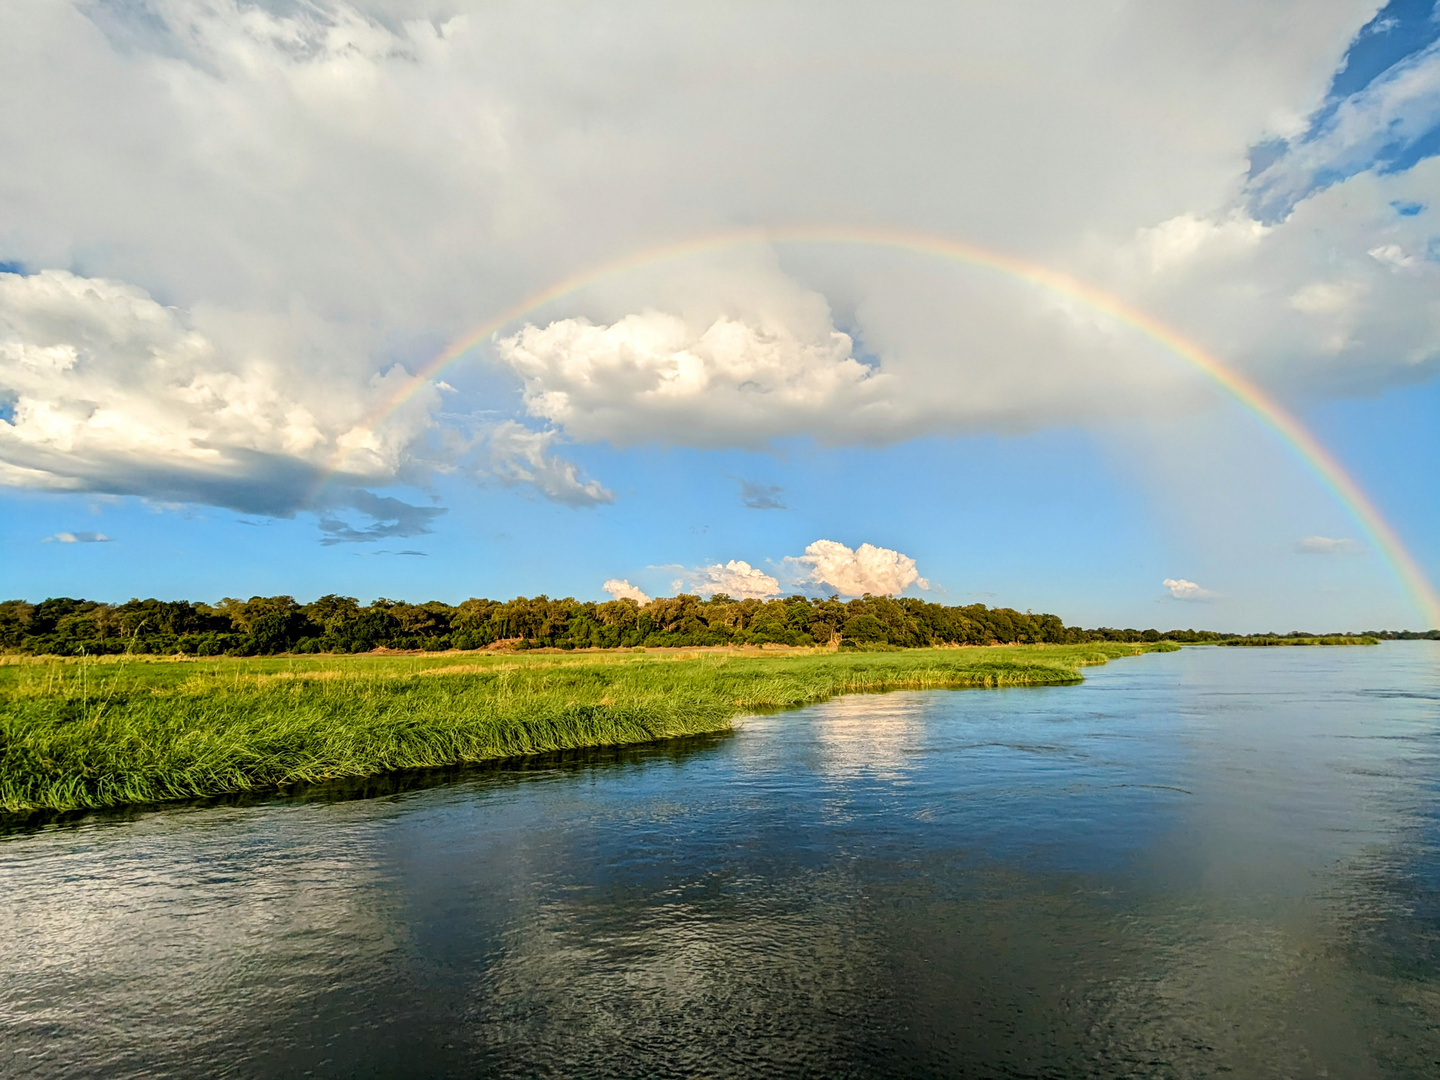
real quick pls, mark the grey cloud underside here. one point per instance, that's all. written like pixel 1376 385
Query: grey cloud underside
pixel 761 496
pixel 249 482
pixel 392 519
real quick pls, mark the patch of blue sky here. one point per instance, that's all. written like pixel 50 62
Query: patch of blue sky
pixel 1264 154
pixel 1388 442
pixel 1377 84
pixel 12 268
pixel 981 515
pixel 1400 29
pixel 1407 209
pixel 1402 155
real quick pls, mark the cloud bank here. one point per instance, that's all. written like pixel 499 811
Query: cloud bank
pixel 243 225
pixel 107 390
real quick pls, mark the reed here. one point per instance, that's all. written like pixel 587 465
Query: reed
pixel 87 734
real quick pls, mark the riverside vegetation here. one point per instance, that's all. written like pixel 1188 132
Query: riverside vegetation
pixel 98 732
pixel 267 625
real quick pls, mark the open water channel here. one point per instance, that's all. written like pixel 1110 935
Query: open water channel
pixel 1205 863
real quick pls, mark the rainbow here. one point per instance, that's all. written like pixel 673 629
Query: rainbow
pixel 1296 438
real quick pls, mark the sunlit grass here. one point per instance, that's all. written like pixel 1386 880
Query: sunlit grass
pixel 88 733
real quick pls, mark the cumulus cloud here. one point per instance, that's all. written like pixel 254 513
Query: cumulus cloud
pixel 109 391
pixel 856 571
pixel 1180 589
pixel 655 376
pixel 621 589
pixel 1328 545
pixel 518 455
pixel 78 538
pixel 735 578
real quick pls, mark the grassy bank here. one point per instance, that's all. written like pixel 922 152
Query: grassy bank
pixel 97 733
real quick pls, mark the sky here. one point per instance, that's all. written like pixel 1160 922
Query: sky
pixel 430 299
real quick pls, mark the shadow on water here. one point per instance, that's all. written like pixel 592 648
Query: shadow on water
pixel 501 771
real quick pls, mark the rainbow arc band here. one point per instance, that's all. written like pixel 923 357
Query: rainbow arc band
pixel 1296 438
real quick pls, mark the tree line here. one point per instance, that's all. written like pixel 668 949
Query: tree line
pixel 267 625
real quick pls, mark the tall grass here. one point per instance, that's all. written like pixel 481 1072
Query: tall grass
pixel 78 734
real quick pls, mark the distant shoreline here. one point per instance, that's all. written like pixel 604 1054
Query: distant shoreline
pixel 280 626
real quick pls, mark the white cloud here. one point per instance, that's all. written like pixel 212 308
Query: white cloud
pixel 621 589
pixel 1329 302
pixel 110 391
pixel 854 572
pixel 1394 256
pixel 1328 545
pixel 521 456
pixel 1180 589
pixel 722 382
pixel 1327 297
pixel 291 199
pixel 735 578
pixel 78 538
pixel 1190 236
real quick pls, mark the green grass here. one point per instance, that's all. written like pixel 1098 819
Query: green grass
pixel 80 734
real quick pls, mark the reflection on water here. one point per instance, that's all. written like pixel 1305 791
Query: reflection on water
pixel 1195 863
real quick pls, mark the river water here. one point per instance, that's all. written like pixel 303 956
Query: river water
pixel 1204 863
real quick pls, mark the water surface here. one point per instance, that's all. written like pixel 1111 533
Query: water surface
pixel 1212 862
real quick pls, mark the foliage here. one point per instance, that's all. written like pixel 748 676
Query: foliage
pixel 272 625
pixel 265 626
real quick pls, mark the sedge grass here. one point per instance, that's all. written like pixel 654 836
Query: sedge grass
pixel 78 734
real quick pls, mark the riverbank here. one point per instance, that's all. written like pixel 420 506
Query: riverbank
pixel 78 734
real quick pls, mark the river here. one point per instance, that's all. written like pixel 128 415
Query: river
pixel 1216 861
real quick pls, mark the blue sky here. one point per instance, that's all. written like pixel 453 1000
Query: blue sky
pixel 241 229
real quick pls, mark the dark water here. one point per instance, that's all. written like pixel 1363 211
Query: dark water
pixel 1216 862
